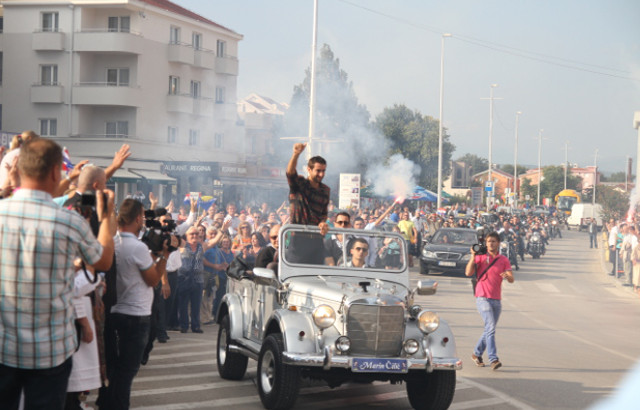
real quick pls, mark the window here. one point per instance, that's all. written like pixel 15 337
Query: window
pixel 118 129
pixel 118 77
pixel 174 35
pixel 194 137
pixel 50 22
pixel 121 24
pixel 49 74
pixel 195 89
pixel 219 95
pixel 174 85
pixel 221 48
pixel 196 41
pixel 1 24
pixel 48 127
pixel 217 140
pixel 172 135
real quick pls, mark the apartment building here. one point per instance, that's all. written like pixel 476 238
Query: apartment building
pixel 94 74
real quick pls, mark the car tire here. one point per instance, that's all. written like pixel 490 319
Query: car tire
pixel 432 391
pixel 424 268
pixel 278 383
pixel 231 365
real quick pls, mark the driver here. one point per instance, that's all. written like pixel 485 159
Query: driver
pixel 359 251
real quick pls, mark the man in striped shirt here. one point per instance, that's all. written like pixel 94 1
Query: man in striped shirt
pixel 38 243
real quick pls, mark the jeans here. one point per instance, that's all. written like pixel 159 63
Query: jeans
pixel 190 292
pixel 132 334
pixel 171 303
pixel 220 291
pixel 43 388
pixel 490 311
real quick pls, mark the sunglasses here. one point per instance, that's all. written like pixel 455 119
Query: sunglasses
pixel 361 249
pixel 274 237
pixel 342 222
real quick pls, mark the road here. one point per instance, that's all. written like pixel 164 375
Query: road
pixel 566 337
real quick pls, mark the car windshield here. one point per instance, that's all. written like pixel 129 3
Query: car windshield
pixel 345 249
pixel 443 237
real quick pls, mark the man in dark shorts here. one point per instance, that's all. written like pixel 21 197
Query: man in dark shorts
pixel 308 205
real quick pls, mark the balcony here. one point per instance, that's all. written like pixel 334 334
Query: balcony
pixel 47 94
pixel 227 65
pixel 180 53
pixel 203 107
pixel 225 112
pixel 205 59
pixel 47 41
pixel 182 103
pixel 106 94
pixel 101 41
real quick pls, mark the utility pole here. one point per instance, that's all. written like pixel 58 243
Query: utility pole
pixel 595 177
pixel 440 137
pixel 515 165
pixel 312 91
pixel 566 162
pixel 490 176
pixel 539 163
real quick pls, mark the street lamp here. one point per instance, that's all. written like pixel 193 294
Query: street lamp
pixel 489 177
pixel 312 91
pixel 636 125
pixel 539 164
pixel 439 203
pixel 595 177
pixel 515 164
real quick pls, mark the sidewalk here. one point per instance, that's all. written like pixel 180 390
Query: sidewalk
pixel 621 282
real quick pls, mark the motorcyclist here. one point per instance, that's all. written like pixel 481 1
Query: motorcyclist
pixel 543 235
pixel 508 235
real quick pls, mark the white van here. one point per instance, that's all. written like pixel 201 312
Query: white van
pixel 581 214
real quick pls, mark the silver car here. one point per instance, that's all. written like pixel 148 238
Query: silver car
pixel 353 320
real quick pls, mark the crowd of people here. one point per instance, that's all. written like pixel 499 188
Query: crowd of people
pixel 622 246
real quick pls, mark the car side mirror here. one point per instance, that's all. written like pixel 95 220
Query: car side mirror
pixel 427 287
pixel 263 276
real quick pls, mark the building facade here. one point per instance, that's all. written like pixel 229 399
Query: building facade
pixel 94 75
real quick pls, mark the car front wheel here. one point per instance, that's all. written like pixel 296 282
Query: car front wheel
pixel 432 390
pixel 231 365
pixel 424 268
pixel 278 383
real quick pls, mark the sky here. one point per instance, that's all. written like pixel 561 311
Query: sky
pixel 572 67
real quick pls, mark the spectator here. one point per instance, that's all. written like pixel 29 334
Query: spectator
pixel 17 142
pixel 635 260
pixel 211 278
pixel 410 233
pixel 232 215
pixel 257 244
pixel 243 239
pixel 41 289
pixel 269 254
pixel 191 282
pixel 222 261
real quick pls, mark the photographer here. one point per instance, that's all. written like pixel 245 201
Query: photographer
pixel 137 274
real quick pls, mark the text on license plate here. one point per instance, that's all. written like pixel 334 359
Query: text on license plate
pixel 447 263
pixel 379 365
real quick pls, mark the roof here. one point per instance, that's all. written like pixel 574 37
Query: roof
pixel 174 8
pixel 494 171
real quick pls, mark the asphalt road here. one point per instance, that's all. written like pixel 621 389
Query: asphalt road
pixel 566 337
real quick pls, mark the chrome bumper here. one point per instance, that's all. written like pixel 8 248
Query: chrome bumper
pixel 329 361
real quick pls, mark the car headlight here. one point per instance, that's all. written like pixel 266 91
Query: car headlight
pixel 429 254
pixel 411 346
pixel 343 344
pixel 466 258
pixel 428 322
pixel 324 316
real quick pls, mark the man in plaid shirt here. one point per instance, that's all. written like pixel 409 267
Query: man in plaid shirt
pixel 308 205
pixel 38 243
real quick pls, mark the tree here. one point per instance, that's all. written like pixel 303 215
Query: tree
pixel 527 189
pixel 618 177
pixel 553 181
pixel 508 168
pixel 478 164
pixel 415 136
pixel 615 203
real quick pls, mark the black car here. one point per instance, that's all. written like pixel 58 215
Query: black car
pixel 447 250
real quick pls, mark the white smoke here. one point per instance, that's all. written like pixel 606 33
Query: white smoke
pixel 396 177
pixel 634 200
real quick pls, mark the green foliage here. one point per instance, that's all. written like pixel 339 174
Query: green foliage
pixel 415 136
pixel 508 168
pixel 478 164
pixel 615 203
pixel 459 199
pixel 553 181
pixel 527 189
pixel 617 177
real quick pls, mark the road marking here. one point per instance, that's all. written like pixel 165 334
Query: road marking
pixel 203 404
pixel 174 377
pixel 152 366
pixel 181 354
pixel 193 387
pixel 504 397
pixel 474 404
pixel 172 345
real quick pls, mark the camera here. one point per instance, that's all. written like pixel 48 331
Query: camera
pixel 88 199
pixel 156 233
pixel 479 248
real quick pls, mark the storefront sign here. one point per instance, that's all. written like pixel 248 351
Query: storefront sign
pixel 178 168
pixel 349 191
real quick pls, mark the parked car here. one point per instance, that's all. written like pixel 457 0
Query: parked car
pixel 448 250
pixel 336 323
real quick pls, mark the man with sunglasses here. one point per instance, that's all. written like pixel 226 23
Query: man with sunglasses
pixel 333 245
pixel 359 251
pixel 269 253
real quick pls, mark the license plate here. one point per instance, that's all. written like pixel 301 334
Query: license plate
pixel 360 365
pixel 447 263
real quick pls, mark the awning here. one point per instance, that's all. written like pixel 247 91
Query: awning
pixel 155 177
pixel 124 176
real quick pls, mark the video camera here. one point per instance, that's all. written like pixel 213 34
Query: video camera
pixel 156 233
pixel 480 248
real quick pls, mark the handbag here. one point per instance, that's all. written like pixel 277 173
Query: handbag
pixel 476 278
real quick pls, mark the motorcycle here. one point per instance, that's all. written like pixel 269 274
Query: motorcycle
pixel 555 229
pixel 508 249
pixel 535 247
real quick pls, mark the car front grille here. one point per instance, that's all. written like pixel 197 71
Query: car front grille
pixel 375 330
pixel 449 256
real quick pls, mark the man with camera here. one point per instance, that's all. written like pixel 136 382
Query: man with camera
pixel 41 241
pixel 138 272
pixel 490 269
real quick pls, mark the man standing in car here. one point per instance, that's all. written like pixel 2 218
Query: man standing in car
pixel 308 205
pixel 490 269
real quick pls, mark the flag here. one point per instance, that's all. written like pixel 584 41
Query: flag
pixel 204 202
pixel 67 166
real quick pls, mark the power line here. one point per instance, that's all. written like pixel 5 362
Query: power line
pixel 543 58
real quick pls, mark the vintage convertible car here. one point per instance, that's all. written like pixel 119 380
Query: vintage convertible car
pixel 340 323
